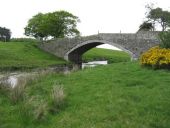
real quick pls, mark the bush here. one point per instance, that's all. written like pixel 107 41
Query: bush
pixel 164 39
pixel 156 57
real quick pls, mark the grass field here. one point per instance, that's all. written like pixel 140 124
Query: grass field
pixel 120 95
pixel 113 56
pixel 25 55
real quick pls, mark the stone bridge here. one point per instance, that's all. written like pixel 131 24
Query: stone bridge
pixel 71 49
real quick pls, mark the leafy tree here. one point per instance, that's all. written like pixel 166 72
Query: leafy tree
pixel 36 26
pixel 157 15
pixel 146 26
pixel 57 24
pixel 5 34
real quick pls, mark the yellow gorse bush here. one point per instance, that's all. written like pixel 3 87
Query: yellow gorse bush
pixel 156 57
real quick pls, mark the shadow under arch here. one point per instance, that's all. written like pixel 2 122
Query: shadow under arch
pixel 75 54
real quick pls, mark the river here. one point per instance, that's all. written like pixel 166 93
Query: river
pixel 12 79
pixel 94 63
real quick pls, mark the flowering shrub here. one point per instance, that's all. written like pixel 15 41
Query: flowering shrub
pixel 156 57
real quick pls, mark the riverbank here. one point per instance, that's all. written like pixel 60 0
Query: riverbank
pixel 11 78
pixel 116 95
pixel 16 56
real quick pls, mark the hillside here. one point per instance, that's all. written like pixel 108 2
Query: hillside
pixel 113 56
pixel 25 55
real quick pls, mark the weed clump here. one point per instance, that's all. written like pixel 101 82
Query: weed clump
pixel 57 98
pixel 17 93
pixel 33 109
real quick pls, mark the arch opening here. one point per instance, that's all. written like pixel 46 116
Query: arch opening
pixel 75 54
pixel 108 46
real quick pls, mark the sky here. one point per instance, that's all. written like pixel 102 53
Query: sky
pixel 103 16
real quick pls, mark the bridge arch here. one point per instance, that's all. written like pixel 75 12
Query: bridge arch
pixel 75 53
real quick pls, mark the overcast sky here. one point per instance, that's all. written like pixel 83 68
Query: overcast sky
pixel 105 16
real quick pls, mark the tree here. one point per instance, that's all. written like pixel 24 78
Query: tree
pixel 146 26
pixel 159 16
pixel 57 24
pixel 36 26
pixel 5 34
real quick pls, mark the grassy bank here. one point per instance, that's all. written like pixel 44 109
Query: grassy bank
pixel 25 55
pixel 113 56
pixel 121 95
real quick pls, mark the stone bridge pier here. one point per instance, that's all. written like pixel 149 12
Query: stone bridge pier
pixel 72 49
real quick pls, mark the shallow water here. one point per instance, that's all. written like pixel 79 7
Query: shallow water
pixel 12 81
pixel 94 63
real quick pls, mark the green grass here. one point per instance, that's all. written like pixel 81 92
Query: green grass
pixel 121 95
pixel 25 55
pixel 113 56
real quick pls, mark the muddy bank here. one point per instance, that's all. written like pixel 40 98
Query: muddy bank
pixel 58 68
pixel 12 79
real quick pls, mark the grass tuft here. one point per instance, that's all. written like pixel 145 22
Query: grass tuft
pixel 17 93
pixel 41 111
pixel 57 98
pixel 33 109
